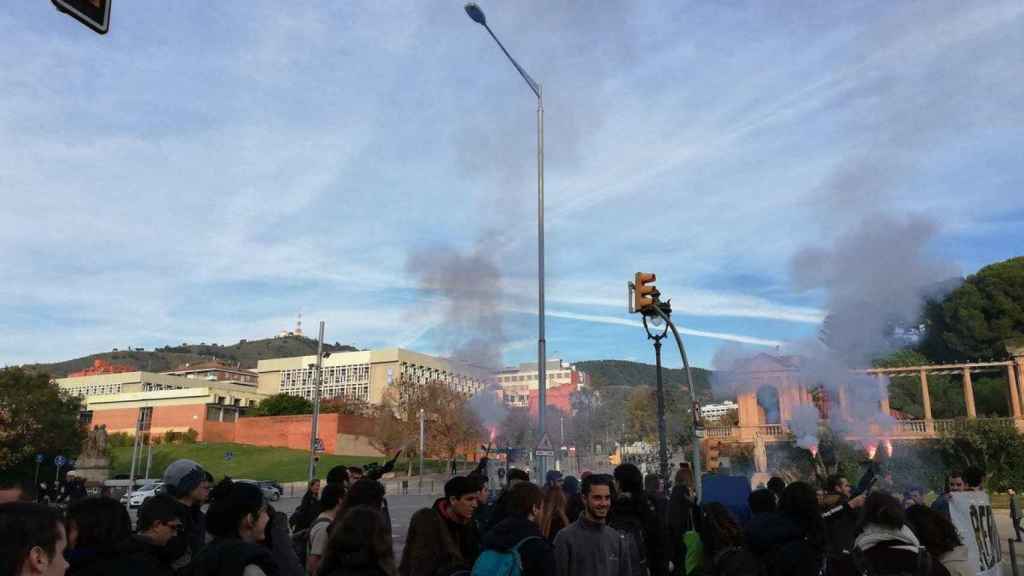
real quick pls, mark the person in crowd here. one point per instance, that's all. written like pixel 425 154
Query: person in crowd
pixel 1015 513
pixel 520 531
pixel 482 516
pixel 777 485
pixel 144 552
pixel 355 474
pixel 32 540
pixel 938 535
pixel 429 549
pixel 794 544
pixel 338 475
pixel 553 478
pixel 974 479
pixel 360 545
pixel 652 486
pixel 187 482
pixel 761 501
pixel 95 528
pixel 497 511
pixel 588 546
pixel 11 490
pixel 456 509
pixel 367 492
pixel 279 541
pixel 680 521
pixel 839 511
pixel 913 496
pixel 309 507
pixel 954 483
pixel 331 504
pixel 722 541
pixel 237 520
pixel 636 516
pixel 552 515
pixel 885 543
pixel 573 500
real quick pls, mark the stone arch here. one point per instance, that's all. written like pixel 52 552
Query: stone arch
pixel 769 404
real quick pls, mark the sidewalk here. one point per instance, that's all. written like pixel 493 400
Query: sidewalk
pixel 1006 533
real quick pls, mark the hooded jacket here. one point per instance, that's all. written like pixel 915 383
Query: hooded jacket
pixel 537 555
pixel 464 535
pixel 231 556
pixel 138 555
pixel 636 510
pixel 778 541
pixel 889 550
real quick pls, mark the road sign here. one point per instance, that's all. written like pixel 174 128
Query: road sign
pixel 60 461
pixel 544 447
pixel 228 456
pixel 40 458
pixel 93 13
pixel 318 446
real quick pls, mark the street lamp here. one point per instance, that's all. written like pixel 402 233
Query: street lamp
pixel 320 355
pixel 660 329
pixel 477 15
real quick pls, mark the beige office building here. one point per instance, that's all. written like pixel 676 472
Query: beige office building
pixel 364 375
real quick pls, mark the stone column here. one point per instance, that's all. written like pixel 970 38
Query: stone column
pixel 1019 361
pixel 844 406
pixel 883 390
pixel 926 399
pixel 969 394
pixel 1011 378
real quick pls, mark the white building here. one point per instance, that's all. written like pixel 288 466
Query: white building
pixel 518 384
pixel 716 411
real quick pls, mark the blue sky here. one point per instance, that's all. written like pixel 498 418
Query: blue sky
pixel 206 171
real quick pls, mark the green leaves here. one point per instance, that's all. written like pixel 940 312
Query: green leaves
pixel 284 405
pixel 36 417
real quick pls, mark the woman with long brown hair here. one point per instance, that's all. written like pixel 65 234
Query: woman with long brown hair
pixel 360 545
pixel 552 514
pixel 429 550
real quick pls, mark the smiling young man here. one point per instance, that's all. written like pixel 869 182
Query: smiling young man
pixel 588 547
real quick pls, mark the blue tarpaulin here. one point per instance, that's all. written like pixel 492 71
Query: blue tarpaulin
pixel 730 491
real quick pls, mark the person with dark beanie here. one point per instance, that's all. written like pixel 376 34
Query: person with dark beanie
pixel 237 519
pixel 636 516
pixel 187 482
pixel 886 544
pixel 96 527
pixel 360 545
pixel 793 543
pixel 32 540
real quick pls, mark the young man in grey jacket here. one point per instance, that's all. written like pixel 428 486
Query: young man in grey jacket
pixel 588 546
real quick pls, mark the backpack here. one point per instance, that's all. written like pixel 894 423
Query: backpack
pixel 632 529
pixel 300 541
pixel 498 563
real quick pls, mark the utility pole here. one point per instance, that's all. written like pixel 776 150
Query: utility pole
pixel 316 403
pixel 422 430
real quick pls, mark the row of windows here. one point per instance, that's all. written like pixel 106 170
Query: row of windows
pixel 349 381
pixel 533 377
pixel 423 374
pixel 85 390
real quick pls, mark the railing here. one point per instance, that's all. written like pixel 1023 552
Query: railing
pixel 772 430
pixel 720 432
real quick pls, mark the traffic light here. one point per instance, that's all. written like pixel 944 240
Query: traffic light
pixel 712 451
pixel 93 13
pixel 616 458
pixel 644 291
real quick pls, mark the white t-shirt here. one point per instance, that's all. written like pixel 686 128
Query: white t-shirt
pixel 318 536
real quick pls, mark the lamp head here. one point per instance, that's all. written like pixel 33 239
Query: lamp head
pixel 476 14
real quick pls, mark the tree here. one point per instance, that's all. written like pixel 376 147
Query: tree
pixel 36 416
pixel 284 405
pixel 996 448
pixel 346 405
pixel 389 432
pixel 945 392
pixel 975 320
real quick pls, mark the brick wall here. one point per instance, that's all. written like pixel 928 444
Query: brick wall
pixel 219 432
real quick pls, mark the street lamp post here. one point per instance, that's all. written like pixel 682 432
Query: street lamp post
pixel 477 15
pixel 316 403
pixel 421 449
pixel 660 330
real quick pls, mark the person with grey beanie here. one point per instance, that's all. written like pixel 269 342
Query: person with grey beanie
pixel 189 484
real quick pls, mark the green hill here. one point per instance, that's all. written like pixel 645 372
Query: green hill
pixel 607 373
pixel 245 354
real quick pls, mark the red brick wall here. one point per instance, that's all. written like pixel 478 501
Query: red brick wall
pixel 177 418
pixel 560 397
pixel 219 432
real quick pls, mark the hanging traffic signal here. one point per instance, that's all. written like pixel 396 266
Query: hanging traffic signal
pixel 93 13
pixel 644 292
pixel 713 451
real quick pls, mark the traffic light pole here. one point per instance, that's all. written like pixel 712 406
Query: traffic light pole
pixel 689 384
pixel 316 403
pixel 662 439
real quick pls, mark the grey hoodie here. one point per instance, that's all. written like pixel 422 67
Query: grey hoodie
pixel 588 548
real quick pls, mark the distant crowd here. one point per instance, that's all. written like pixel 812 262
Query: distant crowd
pixel 622 524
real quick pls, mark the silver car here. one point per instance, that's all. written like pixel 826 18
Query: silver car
pixel 138 497
pixel 270 492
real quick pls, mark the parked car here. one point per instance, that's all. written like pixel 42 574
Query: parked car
pixel 136 498
pixel 270 492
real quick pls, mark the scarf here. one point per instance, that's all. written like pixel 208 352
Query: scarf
pixel 874 534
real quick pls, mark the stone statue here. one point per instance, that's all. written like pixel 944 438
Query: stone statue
pixel 96 443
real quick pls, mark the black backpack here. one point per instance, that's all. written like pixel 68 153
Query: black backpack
pixel 864 568
pixel 300 540
pixel 632 529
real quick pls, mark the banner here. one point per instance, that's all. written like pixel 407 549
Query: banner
pixel 971 513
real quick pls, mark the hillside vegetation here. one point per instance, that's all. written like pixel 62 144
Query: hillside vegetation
pixel 244 354
pixel 608 373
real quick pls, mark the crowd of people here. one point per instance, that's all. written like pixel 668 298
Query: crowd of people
pixel 621 524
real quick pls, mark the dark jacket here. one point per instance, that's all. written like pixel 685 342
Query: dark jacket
pixel 306 513
pixel 357 563
pixel 465 536
pixel 537 555
pixel 588 548
pixel 189 543
pixel 230 556
pixel 638 513
pixel 680 520
pixel 840 523
pixel 782 547
pixel 85 562
pixel 138 556
pixel 280 543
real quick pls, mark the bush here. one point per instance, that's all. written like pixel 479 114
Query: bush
pixel 995 447
pixel 120 439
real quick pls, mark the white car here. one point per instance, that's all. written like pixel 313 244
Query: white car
pixel 138 497
pixel 270 492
